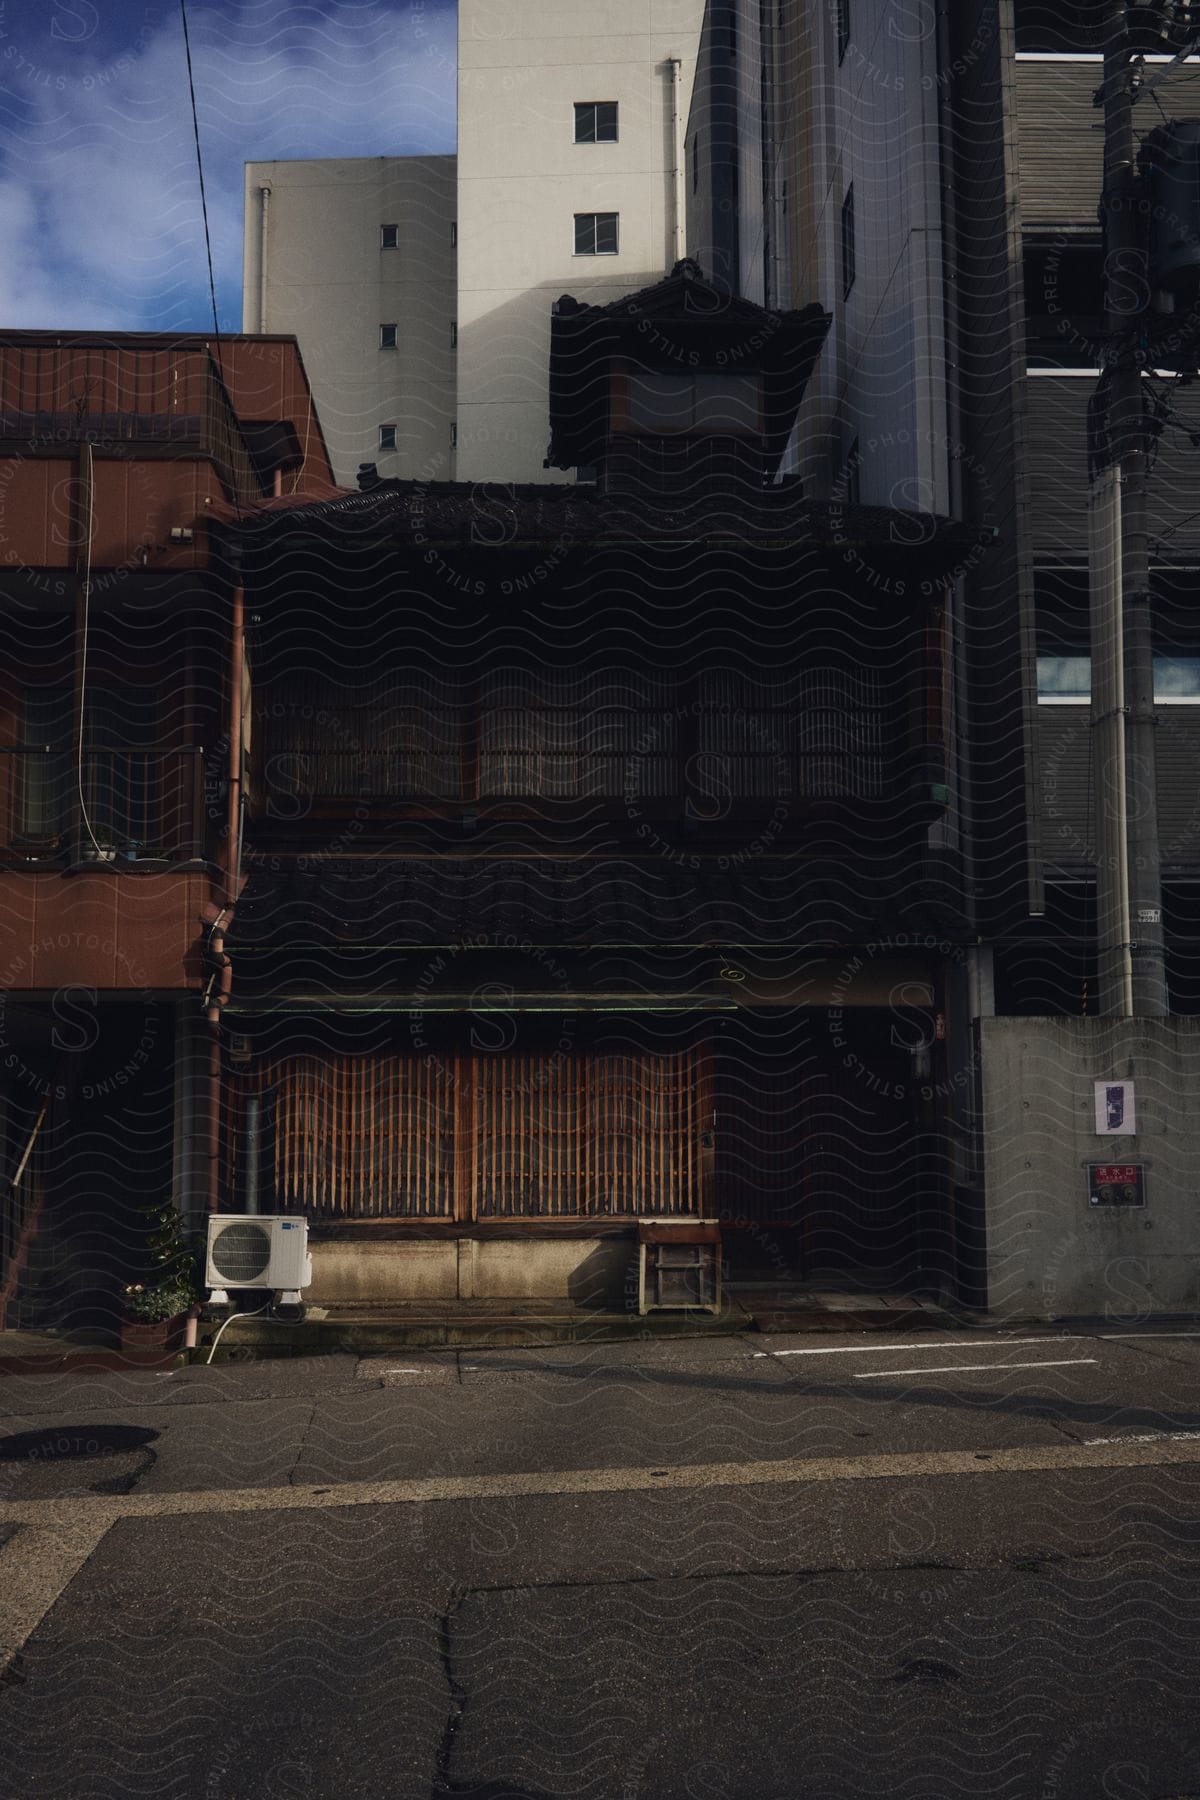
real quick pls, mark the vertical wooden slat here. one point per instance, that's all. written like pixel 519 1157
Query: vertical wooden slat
pixel 298 1129
pixel 352 1152
pixel 368 1113
pixel 463 1173
pixel 419 1073
pixel 329 1138
pixel 317 1168
pixel 433 1156
pixel 408 1113
pixel 563 1158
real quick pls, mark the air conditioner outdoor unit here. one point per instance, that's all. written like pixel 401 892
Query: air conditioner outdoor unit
pixel 257 1251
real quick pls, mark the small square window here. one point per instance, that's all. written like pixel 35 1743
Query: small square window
pixel 387 337
pixel 389 237
pixel 595 121
pixel 387 437
pixel 848 255
pixel 596 234
pixel 454 334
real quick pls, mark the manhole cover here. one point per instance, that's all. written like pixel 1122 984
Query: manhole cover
pixel 64 1442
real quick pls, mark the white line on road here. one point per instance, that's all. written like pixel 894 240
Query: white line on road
pixel 975 1343
pixel 1150 1437
pixel 1069 1362
pixel 941 1344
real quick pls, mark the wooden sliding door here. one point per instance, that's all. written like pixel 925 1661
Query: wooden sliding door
pixel 538 1136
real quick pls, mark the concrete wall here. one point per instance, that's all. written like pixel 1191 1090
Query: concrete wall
pixel 329 280
pixel 1050 1253
pixel 871 120
pixel 590 1270
pixel 521 180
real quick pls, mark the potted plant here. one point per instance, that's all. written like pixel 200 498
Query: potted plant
pixel 154 1309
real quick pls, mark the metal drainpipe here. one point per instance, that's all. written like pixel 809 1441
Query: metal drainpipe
pixel 264 209
pixel 232 871
pixel 253 1116
pixel 677 141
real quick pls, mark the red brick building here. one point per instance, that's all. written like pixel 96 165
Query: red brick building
pixel 122 741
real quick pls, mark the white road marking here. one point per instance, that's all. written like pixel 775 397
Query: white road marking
pixel 1047 1337
pixel 1149 1437
pixel 1069 1362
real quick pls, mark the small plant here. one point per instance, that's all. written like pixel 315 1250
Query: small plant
pixel 170 1283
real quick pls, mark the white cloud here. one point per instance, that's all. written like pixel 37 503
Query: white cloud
pixel 99 199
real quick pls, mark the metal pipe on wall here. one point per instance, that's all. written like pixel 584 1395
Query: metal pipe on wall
pixel 264 211
pixel 680 221
pixel 1114 931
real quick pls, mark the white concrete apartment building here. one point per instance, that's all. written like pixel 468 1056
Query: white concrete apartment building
pixel 430 360
pixel 570 180
pixel 356 256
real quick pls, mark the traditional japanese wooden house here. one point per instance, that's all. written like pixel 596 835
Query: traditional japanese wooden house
pixel 594 862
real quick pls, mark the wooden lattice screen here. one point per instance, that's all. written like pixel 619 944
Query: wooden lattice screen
pixel 553 1136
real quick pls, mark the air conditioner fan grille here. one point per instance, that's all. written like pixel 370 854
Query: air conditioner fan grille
pixel 241 1252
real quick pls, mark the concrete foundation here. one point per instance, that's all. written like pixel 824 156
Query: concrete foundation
pixel 1051 1253
pixel 589 1271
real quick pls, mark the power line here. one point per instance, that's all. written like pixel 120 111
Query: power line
pixel 212 288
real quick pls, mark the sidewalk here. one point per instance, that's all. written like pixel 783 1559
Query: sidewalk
pixel 481 1324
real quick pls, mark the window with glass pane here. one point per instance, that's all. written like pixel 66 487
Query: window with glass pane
pixel 596 234
pixel 1066 678
pixel 43 772
pixel 595 121
pixel 123 766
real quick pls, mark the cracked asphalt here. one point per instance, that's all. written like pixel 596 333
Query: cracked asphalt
pixel 962 1564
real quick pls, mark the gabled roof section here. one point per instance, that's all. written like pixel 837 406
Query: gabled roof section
pixel 682 322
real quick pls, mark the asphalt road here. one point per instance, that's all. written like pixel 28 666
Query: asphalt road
pixel 739 1569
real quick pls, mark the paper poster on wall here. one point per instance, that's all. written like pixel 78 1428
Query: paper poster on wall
pixel 1115 1114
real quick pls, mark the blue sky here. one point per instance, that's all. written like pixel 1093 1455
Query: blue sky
pixel 99 201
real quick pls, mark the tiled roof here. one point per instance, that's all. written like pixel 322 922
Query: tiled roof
pixel 415 512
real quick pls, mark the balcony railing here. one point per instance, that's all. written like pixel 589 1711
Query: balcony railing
pixel 112 805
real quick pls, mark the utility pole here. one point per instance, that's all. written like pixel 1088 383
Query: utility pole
pixel 1129 932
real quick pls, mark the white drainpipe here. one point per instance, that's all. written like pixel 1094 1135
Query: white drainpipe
pixel 264 197
pixel 677 139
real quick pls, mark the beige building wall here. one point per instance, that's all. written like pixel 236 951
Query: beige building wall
pixel 314 264
pixel 522 178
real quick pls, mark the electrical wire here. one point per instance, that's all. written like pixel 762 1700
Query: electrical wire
pixel 229 1321
pixel 212 287
pixel 304 453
